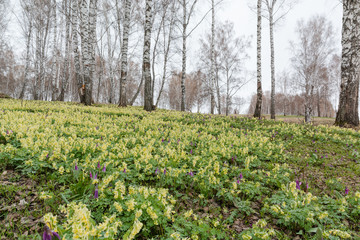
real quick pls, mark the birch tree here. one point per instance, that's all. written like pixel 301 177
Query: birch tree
pixel 124 54
pixel 42 17
pixel 65 76
pixel 167 30
pixel 27 29
pixel 275 11
pixel 88 43
pixel 53 79
pixel 311 53
pixel 257 113
pixel 110 52
pixel 148 101
pixel 75 47
pixel 212 71
pixel 188 8
pixel 348 113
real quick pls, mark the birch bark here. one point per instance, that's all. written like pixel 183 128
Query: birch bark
pixel 183 71
pixel 92 45
pixel 148 101
pixel 124 55
pixel 54 55
pixel 65 77
pixel 26 91
pixel 84 32
pixel 75 47
pixel 348 113
pixel 212 70
pixel 257 113
pixel 272 52
pixel 111 89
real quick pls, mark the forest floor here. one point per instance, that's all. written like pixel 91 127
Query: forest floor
pixel 202 176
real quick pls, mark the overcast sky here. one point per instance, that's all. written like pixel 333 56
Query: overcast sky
pixel 244 19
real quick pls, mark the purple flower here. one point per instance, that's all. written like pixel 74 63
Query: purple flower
pixel 76 167
pixel 91 176
pixel 191 151
pixel 124 170
pixel 95 177
pixel 315 150
pixel 98 166
pixel 164 171
pixel 240 176
pixel 347 191
pixel 191 174
pixel 295 171
pixel 97 128
pixel 307 186
pixel 48 234
pixel 104 168
pixel 157 171
pixel 162 140
pixel 298 184
pixel 47 155
pixel 56 235
pixel 96 194
pixel 238 181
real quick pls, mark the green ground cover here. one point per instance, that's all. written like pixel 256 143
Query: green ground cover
pixel 113 173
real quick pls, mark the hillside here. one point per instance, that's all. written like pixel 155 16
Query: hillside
pixel 121 173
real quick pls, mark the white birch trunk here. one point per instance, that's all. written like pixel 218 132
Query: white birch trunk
pixel 65 78
pixel 183 71
pixel 26 92
pixel 348 113
pixel 212 70
pixel 124 55
pixel 87 87
pixel 54 54
pixel 75 47
pixel 272 50
pixel 92 46
pixel 148 101
pixel 257 113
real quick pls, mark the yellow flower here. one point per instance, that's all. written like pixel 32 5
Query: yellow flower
pixel 118 207
pixel 323 215
pixel 61 170
pixel 130 204
pixel 175 236
pixel 246 237
pixel 188 213
pixel 138 213
pixel 135 229
pixel 45 196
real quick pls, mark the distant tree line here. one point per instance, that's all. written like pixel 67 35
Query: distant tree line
pixel 136 52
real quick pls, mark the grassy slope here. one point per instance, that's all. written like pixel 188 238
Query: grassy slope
pixel 324 157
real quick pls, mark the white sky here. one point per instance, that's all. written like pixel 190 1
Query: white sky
pixel 244 20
